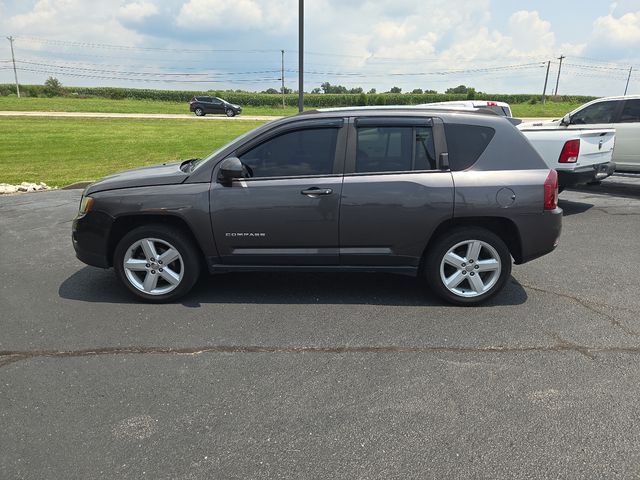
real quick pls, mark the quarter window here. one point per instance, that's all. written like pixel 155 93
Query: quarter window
pixel 298 153
pixel 631 112
pixel 395 149
pixel 601 112
pixel 465 143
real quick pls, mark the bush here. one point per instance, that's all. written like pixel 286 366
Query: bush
pixel 53 87
pixel 311 100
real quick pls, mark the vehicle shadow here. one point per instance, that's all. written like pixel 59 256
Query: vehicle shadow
pixel 100 286
pixel 570 207
pixel 610 187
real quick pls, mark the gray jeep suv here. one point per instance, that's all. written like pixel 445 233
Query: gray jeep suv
pixel 452 196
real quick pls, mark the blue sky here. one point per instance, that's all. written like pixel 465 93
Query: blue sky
pixel 498 46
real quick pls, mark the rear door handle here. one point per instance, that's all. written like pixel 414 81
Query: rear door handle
pixel 315 191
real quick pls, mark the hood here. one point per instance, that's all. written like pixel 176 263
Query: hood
pixel 165 174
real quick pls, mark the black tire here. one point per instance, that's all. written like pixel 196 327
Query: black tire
pixel 199 112
pixel 442 245
pixel 188 265
pixel 230 113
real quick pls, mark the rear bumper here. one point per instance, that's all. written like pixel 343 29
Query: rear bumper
pixel 590 173
pixel 539 234
pixel 90 238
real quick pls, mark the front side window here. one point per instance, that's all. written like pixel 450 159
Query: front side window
pixel 297 153
pixel 395 149
pixel 601 112
pixel 631 112
pixel 216 101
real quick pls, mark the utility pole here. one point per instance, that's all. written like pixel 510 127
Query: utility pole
pixel 561 57
pixel 300 55
pixel 282 77
pixel 628 78
pixel 15 72
pixel 546 79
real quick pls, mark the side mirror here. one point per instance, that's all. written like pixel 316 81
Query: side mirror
pixel 566 120
pixel 230 168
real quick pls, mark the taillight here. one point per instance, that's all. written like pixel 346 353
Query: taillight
pixel 551 190
pixel 570 152
pixel 492 104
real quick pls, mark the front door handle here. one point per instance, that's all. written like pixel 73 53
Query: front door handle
pixel 315 191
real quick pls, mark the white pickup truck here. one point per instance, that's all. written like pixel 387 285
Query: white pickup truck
pixel 579 156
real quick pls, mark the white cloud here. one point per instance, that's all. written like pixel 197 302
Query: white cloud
pixel 71 19
pixel 529 32
pixel 236 15
pixel 623 31
pixel 137 11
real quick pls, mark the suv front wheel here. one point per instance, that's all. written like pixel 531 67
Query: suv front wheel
pixel 156 263
pixel 467 266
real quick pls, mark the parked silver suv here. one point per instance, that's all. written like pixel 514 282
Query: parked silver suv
pixel 452 196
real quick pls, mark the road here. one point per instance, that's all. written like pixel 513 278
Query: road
pixel 322 375
pixel 164 116
pixel 158 115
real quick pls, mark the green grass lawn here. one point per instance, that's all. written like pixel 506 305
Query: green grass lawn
pixel 549 109
pixel 61 151
pixel 71 104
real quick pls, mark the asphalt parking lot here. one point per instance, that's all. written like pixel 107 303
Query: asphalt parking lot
pixel 322 375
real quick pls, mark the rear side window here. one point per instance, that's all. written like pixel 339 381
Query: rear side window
pixel 465 144
pixel 502 111
pixel 631 112
pixel 395 149
pixel 297 153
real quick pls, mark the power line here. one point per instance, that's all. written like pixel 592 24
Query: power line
pixel 120 72
pixel 159 80
pixel 145 49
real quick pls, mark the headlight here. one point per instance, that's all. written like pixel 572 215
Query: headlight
pixel 86 204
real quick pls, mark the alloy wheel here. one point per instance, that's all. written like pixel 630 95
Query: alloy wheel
pixel 470 268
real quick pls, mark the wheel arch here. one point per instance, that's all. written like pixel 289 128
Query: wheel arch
pixel 503 227
pixel 125 223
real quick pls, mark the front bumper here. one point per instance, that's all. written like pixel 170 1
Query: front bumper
pixel 581 175
pixel 90 238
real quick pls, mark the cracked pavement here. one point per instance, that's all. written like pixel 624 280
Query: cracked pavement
pixel 322 375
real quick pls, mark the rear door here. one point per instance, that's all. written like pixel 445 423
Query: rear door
pixel 394 193
pixel 627 151
pixel 286 211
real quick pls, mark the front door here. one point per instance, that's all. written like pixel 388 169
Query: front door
pixel 596 115
pixel 216 105
pixel 286 211
pixel 626 154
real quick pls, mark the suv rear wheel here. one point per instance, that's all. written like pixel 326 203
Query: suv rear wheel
pixel 156 263
pixel 199 112
pixel 467 266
